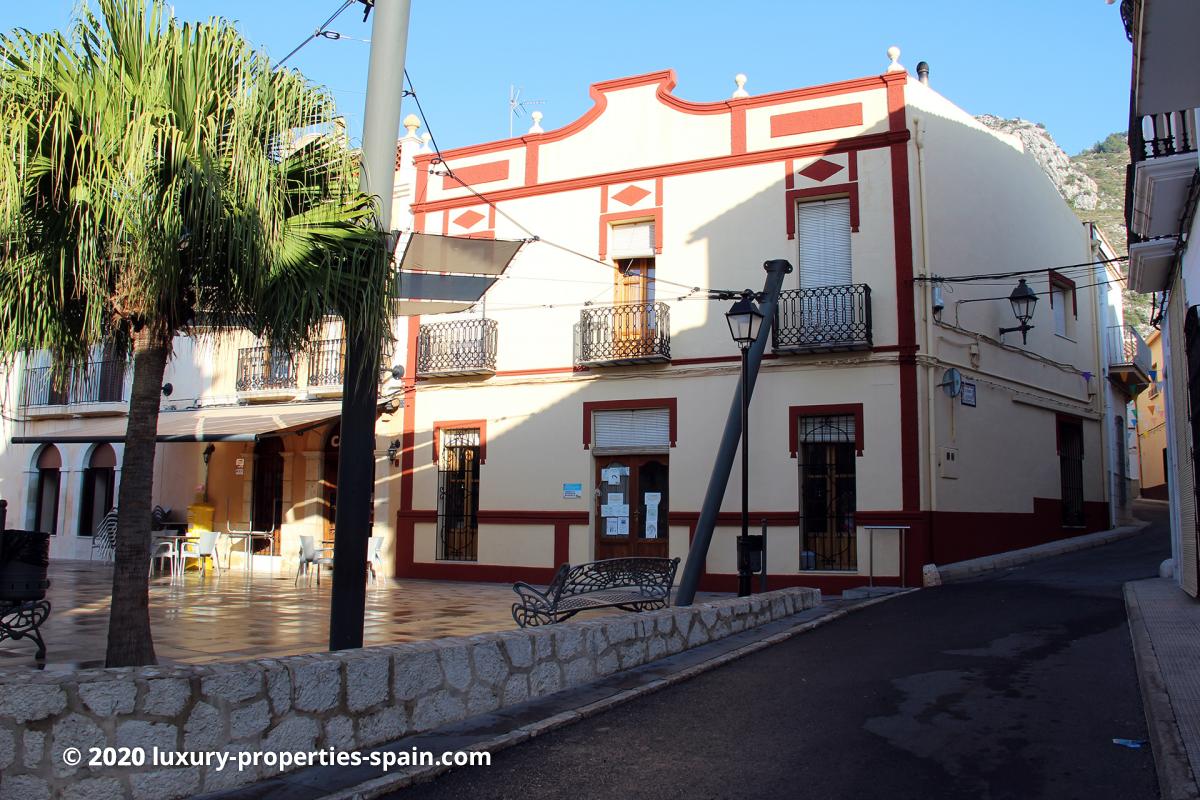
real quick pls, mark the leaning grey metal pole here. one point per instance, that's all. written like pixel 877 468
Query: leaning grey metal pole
pixel 743 553
pixel 360 391
pixel 698 552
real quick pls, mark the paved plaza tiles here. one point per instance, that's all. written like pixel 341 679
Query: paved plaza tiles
pixel 234 617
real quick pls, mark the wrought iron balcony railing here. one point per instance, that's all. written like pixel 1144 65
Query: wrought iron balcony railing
pixel 95 382
pixel 633 333
pixel 327 363
pixel 265 368
pixel 823 319
pixel 1160 135
pixel 457 347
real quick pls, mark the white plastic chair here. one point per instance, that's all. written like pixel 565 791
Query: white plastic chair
pixel 311 555
pixel 161 550
pixel 375 555
pixel 204 547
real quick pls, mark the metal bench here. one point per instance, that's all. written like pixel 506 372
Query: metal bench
pixel 20 619
pixel 630 584
pixel 24 561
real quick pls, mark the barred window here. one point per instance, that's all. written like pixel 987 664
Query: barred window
pixel 828 533
pixel 839 428
pixel 458 494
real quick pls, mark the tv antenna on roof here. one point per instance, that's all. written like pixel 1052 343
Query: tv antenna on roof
pixel 516 106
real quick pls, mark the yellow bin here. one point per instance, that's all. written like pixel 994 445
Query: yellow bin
pixel 200 517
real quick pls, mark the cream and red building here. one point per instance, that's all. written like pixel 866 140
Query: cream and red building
pixel 575 413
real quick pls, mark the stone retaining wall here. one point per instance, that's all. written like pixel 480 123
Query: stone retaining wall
pixel 346 700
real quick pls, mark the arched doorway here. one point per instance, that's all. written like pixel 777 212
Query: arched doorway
pixel 99 480
pixel 49 466
pixel 267 504
pixel 329 478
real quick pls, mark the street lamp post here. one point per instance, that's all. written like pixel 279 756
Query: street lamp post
pixel 744 320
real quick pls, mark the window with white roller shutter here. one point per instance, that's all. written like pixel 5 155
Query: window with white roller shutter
pixel 635 430
pixel 631 240
pixel 823 234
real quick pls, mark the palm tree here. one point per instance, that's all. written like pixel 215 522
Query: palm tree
pixel 159 178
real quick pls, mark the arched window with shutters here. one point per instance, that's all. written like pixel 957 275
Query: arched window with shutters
pixel 99 485
pixel 49 467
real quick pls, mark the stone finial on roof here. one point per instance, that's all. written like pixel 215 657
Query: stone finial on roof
pixel 893 54
pixel 536 127
pixel 411 123
pixel 740 80
pixel 425 138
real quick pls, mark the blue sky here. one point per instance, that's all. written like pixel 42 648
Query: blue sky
pixel 1064 63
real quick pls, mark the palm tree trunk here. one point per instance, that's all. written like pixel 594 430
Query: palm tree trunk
pixel 129 639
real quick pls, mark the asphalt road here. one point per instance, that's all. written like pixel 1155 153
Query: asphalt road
pixel 1010 686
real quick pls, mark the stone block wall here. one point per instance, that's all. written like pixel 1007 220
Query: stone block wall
pixel 345 700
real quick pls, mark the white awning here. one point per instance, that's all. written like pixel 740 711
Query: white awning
pixel 217 424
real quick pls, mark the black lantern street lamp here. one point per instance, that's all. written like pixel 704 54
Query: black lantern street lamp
pixel 1024 301
pixel 744 320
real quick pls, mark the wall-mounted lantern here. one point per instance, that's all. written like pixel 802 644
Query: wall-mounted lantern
pixel 393 452
pixel 1024 301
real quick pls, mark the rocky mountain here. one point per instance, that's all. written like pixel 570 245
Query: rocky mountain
pixel 1073 183
pixel 1092 182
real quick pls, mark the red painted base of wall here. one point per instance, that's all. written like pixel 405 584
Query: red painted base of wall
pixel 940 538
pixel 1155 492
pixel 958 535
pixel 828 584
pixel 481 573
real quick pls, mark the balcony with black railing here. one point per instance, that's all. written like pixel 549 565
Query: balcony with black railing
pixel 1158 183
pixel 327 364
pixel 265 369
pixel 94 383
pixel 457 347
pixel 631 333
pixel 1128 358
pixel 823 319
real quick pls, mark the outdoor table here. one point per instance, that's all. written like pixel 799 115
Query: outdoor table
pixel 247 537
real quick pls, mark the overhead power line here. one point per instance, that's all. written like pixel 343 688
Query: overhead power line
pixel 1015 273
pixel 449 172
pixel 320 29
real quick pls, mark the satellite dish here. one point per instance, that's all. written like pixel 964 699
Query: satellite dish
pixel 952 382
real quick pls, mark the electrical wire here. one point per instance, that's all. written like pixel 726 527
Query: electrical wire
pixel 1015 273
pixel 533 237
pixel 586 304
pixel 318 32
pixel 1040 294
pixel 1067 272
pixel 1083 267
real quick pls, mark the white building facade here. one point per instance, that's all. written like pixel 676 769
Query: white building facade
pixel 575 413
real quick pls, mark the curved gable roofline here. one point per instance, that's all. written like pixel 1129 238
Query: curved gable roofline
pixel 666 83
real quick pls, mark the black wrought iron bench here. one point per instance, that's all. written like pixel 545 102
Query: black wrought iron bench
pixel 24 560
pixel 630 584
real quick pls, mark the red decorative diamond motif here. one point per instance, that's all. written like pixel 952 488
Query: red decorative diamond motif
pixel 821 170
pixel 468 219
pixel 630 195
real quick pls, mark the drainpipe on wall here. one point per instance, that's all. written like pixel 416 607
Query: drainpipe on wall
pixel 931 378
pixel 1106 433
